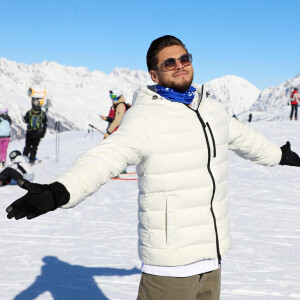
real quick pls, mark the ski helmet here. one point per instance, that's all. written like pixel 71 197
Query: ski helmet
pixel 4 111
pixel 14 154
pixel 35 101
pixel 296 89
pixel 115 94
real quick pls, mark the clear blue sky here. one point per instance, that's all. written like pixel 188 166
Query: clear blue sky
pixel 255 39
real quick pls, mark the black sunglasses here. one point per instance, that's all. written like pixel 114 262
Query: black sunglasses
pixel 170 63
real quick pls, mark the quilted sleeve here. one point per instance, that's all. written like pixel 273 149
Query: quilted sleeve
pixel 250 144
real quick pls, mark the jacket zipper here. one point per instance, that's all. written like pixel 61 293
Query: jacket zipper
pixel 213 180
pixel 209 170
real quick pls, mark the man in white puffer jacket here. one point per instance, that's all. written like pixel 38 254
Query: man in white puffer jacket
pixel 183 209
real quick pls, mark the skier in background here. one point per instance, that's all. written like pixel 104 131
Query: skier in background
pixel 36 120
pixel 5 128
pixel 250 118
pixel 19 169
pixel 116 112
pixel 295 99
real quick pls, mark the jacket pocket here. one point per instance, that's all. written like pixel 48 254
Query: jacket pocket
pixel 169 223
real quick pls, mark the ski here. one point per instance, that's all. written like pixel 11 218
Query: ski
pixel 122 178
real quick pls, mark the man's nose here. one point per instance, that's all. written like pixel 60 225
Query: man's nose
pixel 179 65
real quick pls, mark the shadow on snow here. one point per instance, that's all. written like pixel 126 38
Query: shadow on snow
pixel 65 281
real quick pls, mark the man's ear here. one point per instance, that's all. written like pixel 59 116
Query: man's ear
pixel 153 75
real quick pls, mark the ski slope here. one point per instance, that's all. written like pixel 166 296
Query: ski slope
pixel 90 251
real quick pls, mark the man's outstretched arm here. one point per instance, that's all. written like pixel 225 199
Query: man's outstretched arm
pixel 251 144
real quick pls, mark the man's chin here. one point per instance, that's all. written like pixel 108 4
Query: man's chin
pixel 182 87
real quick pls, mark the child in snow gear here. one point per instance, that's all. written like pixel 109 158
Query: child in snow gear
pixel 116 112
pixel 36 120
pixel 19 168
pixel 5 128
pixel 295 99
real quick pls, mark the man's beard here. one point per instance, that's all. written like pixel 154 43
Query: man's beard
pixel 182 87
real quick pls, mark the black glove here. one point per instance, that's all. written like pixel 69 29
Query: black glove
pixel 289 157
pixel 40 199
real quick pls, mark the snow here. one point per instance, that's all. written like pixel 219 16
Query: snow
pixel 90 251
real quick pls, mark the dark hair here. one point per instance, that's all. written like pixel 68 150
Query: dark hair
pixel 159 44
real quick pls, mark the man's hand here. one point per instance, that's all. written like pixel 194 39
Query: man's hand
pixel 289 157
pixel 40 199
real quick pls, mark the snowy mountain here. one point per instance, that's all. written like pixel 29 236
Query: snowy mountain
pixel 272 103
pixel 235 92
pixel 78 96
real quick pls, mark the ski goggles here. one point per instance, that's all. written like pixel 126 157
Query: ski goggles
pixel 170 63
pixel 113 97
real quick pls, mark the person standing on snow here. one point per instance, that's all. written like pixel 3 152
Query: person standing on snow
pixel 5 128
pixel 19 169
pixel 178 138
pixel 116 112
pixel 36 120
pixel 295 99
pixel 250 117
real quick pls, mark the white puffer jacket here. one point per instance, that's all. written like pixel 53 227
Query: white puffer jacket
pixel 181 158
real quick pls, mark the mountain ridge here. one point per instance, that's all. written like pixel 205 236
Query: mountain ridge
pixel 78 95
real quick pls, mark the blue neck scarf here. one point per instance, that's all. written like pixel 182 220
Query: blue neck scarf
pixel 175 95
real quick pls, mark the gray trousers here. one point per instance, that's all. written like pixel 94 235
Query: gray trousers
pixel 206 286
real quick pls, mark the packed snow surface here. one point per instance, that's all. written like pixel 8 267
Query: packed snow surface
pixel 90 251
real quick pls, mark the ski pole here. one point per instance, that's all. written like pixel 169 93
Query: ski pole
pixel 57 124
pixel 88 132
pixel 96 128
